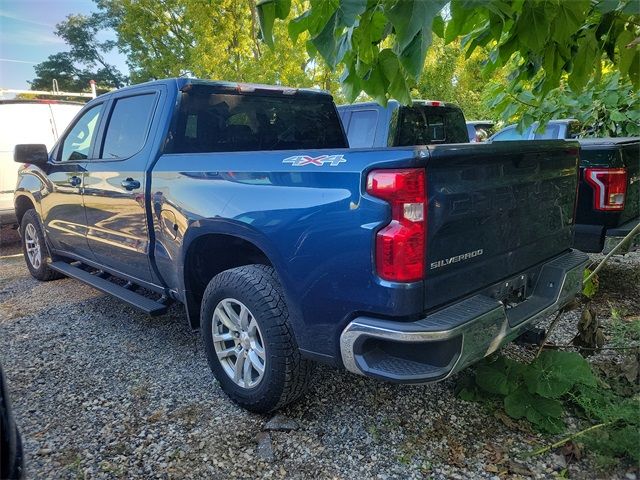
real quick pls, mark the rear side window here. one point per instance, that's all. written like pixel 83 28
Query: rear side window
pixel 128 126
pixel 362 128
pixel 424 125
pixel 210 121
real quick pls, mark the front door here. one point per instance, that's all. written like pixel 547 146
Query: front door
pixel 114 186
pixel 62 209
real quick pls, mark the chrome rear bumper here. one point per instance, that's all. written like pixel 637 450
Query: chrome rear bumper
pixel 456 336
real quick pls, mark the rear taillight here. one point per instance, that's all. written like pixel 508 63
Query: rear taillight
pixel 400 246
pixel 609 187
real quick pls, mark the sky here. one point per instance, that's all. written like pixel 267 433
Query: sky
pixel 27 37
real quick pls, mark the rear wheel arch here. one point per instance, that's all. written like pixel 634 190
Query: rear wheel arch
pixel 210 254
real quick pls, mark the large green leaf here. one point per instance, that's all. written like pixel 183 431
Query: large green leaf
pixel 350 83
pixel 299 25
pixel 350 10
pixel 628 56
pixel 492 380
pixel 411 17
pixel 375 84
pixel 268 11
pixel 412 57
pixel 412 21
pixel 544 413
pixel 554 373
pixel 567 19
pixel 393 73
pixel 583 61
pixel 517 403
pixel 326 41
pixel 533 26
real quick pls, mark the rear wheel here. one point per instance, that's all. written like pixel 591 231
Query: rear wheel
pixel 248 340
pixel 36 253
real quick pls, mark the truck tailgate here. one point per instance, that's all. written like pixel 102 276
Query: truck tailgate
pixel 495 210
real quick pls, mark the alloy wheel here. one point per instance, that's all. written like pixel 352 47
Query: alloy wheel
pixel 32 244
pixel 238 343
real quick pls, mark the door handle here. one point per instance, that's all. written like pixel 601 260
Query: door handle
pixel 75 181
pixel 130 184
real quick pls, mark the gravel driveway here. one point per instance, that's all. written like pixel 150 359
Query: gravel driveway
pixel 103 391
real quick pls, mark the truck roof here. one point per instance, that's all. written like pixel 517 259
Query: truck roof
pixel 183 84
pixel 394 103
pixel 606 142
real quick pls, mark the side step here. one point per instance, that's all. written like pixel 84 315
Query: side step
pixel 145 304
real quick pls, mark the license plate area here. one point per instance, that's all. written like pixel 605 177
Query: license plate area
pixel 513 291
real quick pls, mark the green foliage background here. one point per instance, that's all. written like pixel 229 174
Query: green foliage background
pixel 505 60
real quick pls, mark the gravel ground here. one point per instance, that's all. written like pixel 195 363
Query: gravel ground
pixel 103 391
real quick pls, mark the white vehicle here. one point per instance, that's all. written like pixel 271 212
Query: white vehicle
pixel 27 121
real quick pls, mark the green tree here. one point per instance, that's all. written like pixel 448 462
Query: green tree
pixel 218 40
pixel 606 107
pixel 450 76
pixel 381 45
pixel 84 61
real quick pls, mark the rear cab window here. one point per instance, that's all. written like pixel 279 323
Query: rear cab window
pixel 211 120
pixel 424 125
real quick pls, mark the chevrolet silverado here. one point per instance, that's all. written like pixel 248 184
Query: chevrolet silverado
pixel 245 204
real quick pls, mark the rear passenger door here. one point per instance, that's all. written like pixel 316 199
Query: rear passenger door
pixel 114 185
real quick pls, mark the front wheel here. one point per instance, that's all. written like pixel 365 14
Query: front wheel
pixel 248 339
pixel 36 254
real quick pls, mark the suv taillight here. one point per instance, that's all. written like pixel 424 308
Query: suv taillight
pixel 609 187
pixel 400 246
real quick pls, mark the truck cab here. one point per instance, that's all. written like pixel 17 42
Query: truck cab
pixel 425 122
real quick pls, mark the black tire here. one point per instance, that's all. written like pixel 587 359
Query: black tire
pixel 30 227
pixel 286 374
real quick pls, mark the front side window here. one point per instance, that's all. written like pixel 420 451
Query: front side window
pixel 79 141
pixel 211 121
pixel 362 128
pixel 128 126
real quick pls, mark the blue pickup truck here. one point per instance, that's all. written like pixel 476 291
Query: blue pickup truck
pixel 244 204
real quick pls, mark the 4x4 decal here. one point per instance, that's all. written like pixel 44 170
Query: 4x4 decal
pixel 302 160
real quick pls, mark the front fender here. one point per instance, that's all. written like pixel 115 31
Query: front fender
pixel 31 185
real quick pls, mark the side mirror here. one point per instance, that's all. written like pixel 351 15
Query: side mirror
pixel 33 153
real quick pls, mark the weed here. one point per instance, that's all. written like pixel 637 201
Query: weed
pixel 543 390
pixel 623 329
